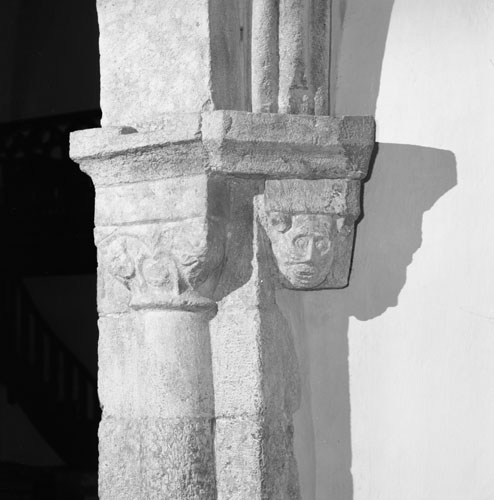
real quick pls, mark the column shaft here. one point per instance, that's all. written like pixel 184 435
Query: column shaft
pixel 265 65
pixel 156 389
pixel 295 94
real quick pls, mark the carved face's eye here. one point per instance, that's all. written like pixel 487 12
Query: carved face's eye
pixel 301 243
pixel 322 243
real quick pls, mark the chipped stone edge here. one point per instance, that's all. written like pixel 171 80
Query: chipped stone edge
pixel 234 143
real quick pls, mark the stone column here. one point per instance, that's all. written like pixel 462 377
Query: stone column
pixel 201 214
pixel 160 241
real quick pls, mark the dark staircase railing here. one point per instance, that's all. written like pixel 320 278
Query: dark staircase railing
pixel 47 381
pixel 46 215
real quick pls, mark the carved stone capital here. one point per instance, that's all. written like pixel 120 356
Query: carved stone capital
pixel 310 225
pixel 170 265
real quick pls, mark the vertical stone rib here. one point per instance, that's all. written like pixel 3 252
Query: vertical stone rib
pixel 295 94
pixel 320 54
pixel 265 69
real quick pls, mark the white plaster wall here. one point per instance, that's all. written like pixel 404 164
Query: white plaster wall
pixel 419 312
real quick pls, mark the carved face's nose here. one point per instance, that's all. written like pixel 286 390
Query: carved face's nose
pixel 309 250
pixel 306 248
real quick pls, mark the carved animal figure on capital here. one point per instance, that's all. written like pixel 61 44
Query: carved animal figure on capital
pixel 166 263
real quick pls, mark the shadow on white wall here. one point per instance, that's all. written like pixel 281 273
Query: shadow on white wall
pixel 406 181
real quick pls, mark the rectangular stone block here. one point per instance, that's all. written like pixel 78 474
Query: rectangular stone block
pixel 283 146
pixel 162 200
pixel 169 147
pixel 154 57
pixel 255 459
pixel 238 452
pixel 156 459
pixel 159 56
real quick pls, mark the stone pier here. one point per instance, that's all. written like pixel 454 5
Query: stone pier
pixel 203 210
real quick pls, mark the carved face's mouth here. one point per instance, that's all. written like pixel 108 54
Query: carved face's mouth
pixel 303 269
pixel 301 273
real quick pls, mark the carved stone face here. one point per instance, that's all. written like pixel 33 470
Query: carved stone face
pixel 303 247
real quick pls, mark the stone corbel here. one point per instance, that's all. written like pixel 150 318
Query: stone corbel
pixel 312 169
pixel 310 225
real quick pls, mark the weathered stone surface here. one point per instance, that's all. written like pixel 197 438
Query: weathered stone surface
pixel 255 371
pixel 200 216
pixel 265 56
pixel 156 390
pixel 169 199
pixel 161 56
pixel 283 146
pixel 164 199
pixel 172 265
pixel 238 452
pixel 155 57
pixel 230 143
pixel 320 30
pixel 160 251
pixel 156 459
pixel 224 210
pixel 170 147
pixel 170 128
pixel 156 364
pixel 296 95
pixel 311 228
pixel 325 196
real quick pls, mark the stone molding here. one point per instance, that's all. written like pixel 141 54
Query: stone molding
pixel 236 143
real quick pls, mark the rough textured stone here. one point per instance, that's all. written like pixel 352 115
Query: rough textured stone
pixel 265 56
pixel 290 56
pixel 167 199
pixel 278 146
pixel 320 30
pixel 174 265
pixel 155 57
pixel 156 390
pixel 155 458
pixel 170 147
pixel 311 228
pixel 236 143
pixel 161 56
pixel 156 364
pixel 160 251
pixel 201 215
pixel 296 95
pixel 231 143
pixel 257 387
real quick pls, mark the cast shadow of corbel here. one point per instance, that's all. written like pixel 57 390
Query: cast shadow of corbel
pixel 406 181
